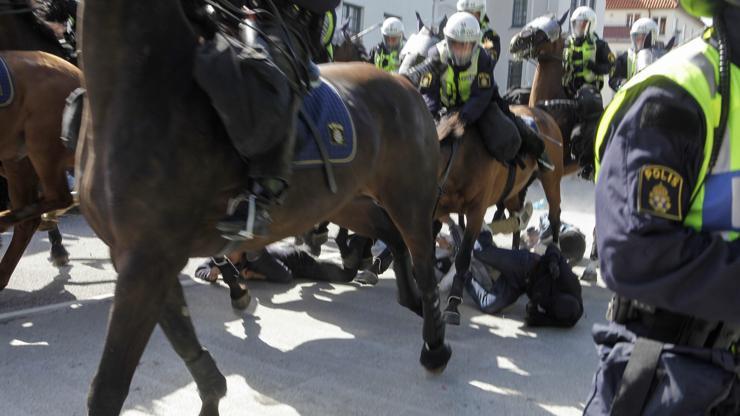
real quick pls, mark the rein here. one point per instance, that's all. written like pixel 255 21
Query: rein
pixel 446 175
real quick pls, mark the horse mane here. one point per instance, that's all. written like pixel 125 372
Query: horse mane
pixel 34 20
pixel 450 126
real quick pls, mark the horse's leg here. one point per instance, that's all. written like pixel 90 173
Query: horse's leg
pixel 22 185
pixel 589 274
pixel 365 217
pixel 238 291
pixel 515 206
pixel 59 254
pixel 551 184
pixel 49 159
pixel 145 276
pixel 177 326
pixel 416 229
pixel 462 264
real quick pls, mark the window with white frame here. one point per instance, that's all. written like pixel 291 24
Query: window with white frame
pixel 519 14
pixel 514 78
pixel 352 14
pixel 661 22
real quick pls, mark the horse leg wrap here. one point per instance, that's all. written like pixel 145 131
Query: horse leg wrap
pixel 211 383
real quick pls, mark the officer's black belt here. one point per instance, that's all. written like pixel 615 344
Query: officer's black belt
pixel 672 328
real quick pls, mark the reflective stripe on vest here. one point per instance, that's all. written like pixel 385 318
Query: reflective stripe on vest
pixel 327 33
pixel 576 67
pixel 715 205
pixel 456 92
pixel 388 62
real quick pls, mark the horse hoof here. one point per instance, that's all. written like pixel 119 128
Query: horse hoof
pixel 588 276
pixel 451 317
pixel 367 277
pixel 242 303
pixel 435 360
pixel 60 261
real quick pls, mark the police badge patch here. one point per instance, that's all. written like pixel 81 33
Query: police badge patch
pixel 659 192
pixel 426 80
pixel 337 133
pixel 484 80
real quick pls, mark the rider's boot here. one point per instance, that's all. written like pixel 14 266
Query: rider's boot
pixel 247 214
pixel 533 144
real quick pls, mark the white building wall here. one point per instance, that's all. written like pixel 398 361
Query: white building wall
pixel 373 12
pixel 678 23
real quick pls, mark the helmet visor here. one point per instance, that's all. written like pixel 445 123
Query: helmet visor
pixel 460 52
pixel 392 43
pixel 579 27
pixel 638 41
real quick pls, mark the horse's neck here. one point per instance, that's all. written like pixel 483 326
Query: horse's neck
pixel 19 33
pixel 547 83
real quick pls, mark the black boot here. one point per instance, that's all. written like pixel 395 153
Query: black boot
pixel 533 145
pixel 247 214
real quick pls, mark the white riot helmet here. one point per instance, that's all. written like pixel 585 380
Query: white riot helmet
pixel 583 21
pixel 462 34
pixel 640 31
pixel 472 7
pixel 392 31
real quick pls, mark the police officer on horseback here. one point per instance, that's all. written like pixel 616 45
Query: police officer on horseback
pixel 490 40
pixel 385 55
pixel 668 222
pixel 586 58
pixel 457 76
pixel 644 35
pixel 274 61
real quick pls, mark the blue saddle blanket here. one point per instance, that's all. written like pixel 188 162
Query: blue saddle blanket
pixel 7 90
pixel 330 115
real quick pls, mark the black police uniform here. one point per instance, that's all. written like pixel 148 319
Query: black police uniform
pixel 681 279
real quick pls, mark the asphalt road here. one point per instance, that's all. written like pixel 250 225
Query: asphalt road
pixel 306 348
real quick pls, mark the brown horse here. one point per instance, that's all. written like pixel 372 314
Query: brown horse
pixel 149 122
pixel 33 157
pixel 477 181
pixel 542 40
pixel 350 49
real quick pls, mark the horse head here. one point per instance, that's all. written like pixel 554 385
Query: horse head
pixel 418 44
pixel 347 46
pixel 542 37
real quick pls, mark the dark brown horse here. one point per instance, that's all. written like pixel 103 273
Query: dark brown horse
pixel 350 49
pixel 150 126
pixel 33 157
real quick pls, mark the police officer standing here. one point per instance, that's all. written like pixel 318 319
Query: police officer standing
pixel 668 221
pixel 386 54
pixel 586 58
pixel 643 34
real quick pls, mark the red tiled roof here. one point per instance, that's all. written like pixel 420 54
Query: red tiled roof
pixel 616 32
pixel 641 4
